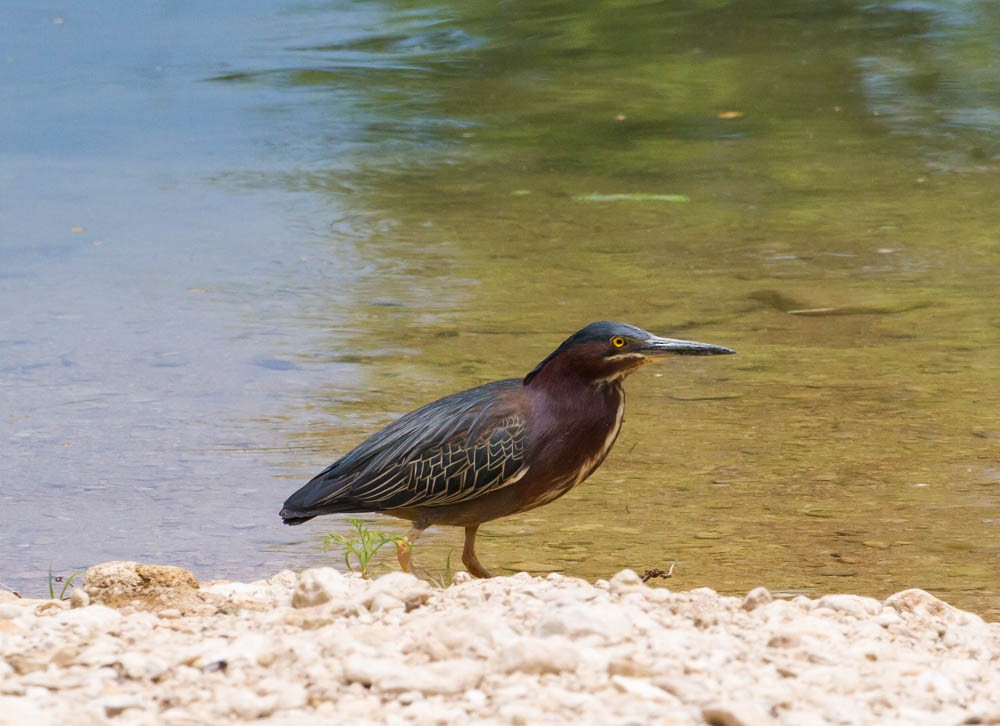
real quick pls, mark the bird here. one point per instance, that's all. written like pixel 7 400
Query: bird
pixel 495 450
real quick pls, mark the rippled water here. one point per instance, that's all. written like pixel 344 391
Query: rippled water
pixel 236 240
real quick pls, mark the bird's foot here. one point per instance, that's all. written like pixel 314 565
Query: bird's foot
pixel 469 558
pixel 476 568
pixel 404 553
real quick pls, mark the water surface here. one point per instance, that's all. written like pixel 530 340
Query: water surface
pixel 238 240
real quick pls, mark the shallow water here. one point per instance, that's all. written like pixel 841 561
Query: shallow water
pixel 236 241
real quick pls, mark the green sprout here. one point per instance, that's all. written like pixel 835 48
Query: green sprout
pixel 59 579
pixel 443 579
pixel 363 544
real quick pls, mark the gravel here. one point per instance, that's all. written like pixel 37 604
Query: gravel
pixel 148 644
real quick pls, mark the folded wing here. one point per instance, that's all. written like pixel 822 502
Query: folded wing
pixel 449 451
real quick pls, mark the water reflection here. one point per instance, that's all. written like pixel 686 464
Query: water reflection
pixel 838 452
pixel 431 176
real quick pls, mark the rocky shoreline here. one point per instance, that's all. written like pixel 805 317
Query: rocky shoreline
pixel 146 644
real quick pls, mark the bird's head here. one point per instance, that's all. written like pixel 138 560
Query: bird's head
pixel 608 351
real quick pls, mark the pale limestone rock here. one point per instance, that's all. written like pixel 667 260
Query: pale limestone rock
pixel 578 621
pixel 626 581
pixel 31 660
pixel 320 585
pixel 402 586
pixel 48 607
pixel 854 605
pixel 538 655
pixel 250 706
pixel 919 602
pixel 276 591
pixel 440 678
pixel 9 611
pixel 17 711
pixel 508 650
pixel 887 617
pixel 149 586
pixel 383 602
pixel 113 705
pixel 756 597
pixel 246 648
pixel 367 670
pixel 255 595
pixel 642 689
pixel 79 598
pixel 320 616
pixel 286 579
pixel 290 694
pixel 142 666
pixel 95 618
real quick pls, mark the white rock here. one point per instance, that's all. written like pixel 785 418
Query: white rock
pixel 247 705
pixel 440 678
pixel 918 601
pixel 79 598
pixel 643 689
pixel 887 618
pixel 98 618
pixel 411 591
pixel 9 611
pixel 289 694
pixel 577 621
pixel 538 655
pixel 249 648
pixel 142 666
pixel 508 650
pixel 625 581
pixel 116 704
pixel 855 605
pixel 259 593
pixel 382 602
pixel 756 597
pixel 286 579
pixel 320 585
pixel 51 607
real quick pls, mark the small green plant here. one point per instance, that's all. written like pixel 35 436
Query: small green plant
pixel 59 579
pixel 363 544
pixel 443 579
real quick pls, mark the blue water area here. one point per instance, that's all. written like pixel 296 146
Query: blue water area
pixel 145 294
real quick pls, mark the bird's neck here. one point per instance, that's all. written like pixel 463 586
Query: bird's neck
pixel 565 386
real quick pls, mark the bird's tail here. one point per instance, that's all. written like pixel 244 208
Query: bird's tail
pixel 290 516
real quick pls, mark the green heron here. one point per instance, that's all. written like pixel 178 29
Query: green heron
pixel 497 449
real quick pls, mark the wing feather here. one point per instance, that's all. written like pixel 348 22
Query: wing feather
pixel 452 450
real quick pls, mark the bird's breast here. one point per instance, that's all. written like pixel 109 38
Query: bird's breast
pixel 575 437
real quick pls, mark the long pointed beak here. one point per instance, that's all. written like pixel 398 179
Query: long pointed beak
pixel 656 346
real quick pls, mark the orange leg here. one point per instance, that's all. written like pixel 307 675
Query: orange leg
pixel 469 554
pixel 404 549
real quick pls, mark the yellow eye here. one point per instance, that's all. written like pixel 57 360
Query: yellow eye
pixel 618 341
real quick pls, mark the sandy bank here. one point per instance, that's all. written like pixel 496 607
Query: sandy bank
pixel 323 647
